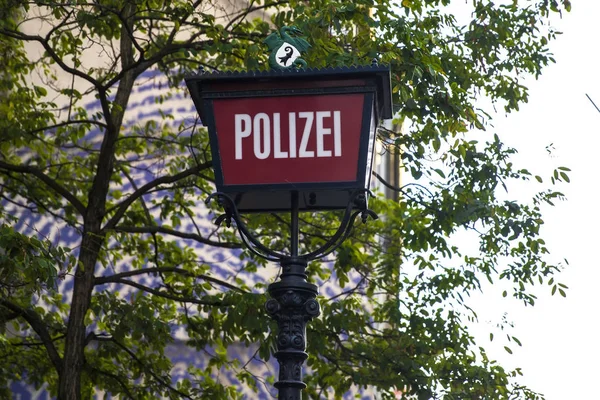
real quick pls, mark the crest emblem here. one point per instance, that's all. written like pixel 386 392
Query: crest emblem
pixel 286 48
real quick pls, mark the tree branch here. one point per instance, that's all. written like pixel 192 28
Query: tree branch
pixel 242 15
pixel 142 65
pixel 116 277
pixel 27 344
pixel 399 189
pixel 36 323
pixel 58 188
pixel 8 317
pixel 149 219
pixel 68 122
pixel 183 235
pixel 122 207
pixel 55 57
pixel 166 295
pixel 136 358
pixel 159 379
pixel 114 377
pixel 38 206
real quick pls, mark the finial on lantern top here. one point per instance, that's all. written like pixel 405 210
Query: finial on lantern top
pixel 286 46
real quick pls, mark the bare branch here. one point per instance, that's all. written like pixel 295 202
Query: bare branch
pixel 122 207
pixel 58 188
pixel 36 323
pixel 399 189
pixel 27 344
pixel 242 15
pixel 68 122
pixel 55 57
pixel 38 206
pixel 114 377
pixel 183 235
pixel 349 291
pixel 592 101
pixel 8 317
pixel 142 65
pixel 146 211
pixel 145 367
pixel 116 277
pixel 166 295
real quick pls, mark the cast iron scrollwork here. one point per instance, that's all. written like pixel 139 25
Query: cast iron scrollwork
pixel 357 200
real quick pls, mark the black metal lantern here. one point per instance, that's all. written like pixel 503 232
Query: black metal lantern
pixel 311 131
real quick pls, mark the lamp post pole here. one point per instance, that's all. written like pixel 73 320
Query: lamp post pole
pixel 292 305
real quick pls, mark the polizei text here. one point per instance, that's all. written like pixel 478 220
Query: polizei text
pixel 262 134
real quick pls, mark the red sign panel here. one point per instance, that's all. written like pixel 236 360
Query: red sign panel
pixel 289 139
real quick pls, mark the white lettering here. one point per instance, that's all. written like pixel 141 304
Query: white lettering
pixel 322 131
pixel 337 134
pixel 266 132
pixel 277 137
pixel 263 136
pixel 303 153
pixel 243 129
pixel 292 135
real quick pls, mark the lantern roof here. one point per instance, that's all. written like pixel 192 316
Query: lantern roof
pixel 379 72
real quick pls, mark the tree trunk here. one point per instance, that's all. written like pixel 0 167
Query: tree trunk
pixel 73 359
pixel 94 236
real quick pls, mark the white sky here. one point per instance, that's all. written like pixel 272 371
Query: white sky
pixel 560 356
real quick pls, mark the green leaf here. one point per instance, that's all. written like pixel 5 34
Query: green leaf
pixel 40 91
pixel 439 172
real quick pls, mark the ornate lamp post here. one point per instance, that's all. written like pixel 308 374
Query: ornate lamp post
pixel 292 140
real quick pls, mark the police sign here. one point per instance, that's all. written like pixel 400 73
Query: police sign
pixel 305 130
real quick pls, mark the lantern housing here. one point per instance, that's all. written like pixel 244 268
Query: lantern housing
pixel 311 131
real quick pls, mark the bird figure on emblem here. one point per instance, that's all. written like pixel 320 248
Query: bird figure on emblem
pixel 286 47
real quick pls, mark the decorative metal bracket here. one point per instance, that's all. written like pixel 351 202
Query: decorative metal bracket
pixel 293 299
pixel 256 247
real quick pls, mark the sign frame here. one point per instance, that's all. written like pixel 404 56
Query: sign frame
pixel 373 82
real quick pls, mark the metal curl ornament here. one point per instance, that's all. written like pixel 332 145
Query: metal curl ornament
pixel 256 247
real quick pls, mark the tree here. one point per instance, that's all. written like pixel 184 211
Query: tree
pixel 127 189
